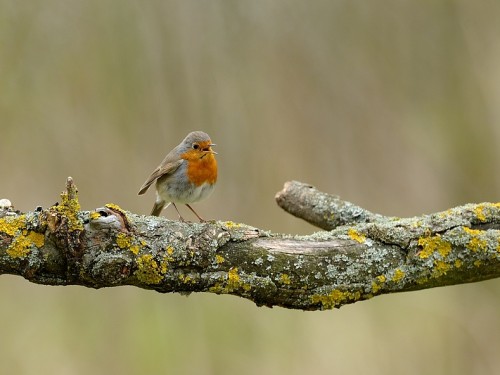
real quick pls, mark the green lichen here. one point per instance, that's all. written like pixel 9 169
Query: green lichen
pixel 149 271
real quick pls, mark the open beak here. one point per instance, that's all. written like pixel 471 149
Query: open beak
pixel 210 148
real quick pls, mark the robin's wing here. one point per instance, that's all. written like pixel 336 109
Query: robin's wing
pixel 162 170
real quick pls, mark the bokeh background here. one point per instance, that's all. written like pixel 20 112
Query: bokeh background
pixel 393 105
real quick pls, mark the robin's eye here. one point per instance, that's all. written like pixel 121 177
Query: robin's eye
pixel 196 146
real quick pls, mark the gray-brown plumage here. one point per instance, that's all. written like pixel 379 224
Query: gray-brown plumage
pixel 186 175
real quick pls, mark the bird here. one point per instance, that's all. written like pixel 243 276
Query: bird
pixel 188 174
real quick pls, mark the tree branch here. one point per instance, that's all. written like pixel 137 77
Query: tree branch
pixel 364 255
pixel 320 209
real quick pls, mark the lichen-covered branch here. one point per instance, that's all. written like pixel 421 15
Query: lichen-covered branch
pixel 364 256
pixel 320 209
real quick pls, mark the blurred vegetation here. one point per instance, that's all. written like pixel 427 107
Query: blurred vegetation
pixel 392 105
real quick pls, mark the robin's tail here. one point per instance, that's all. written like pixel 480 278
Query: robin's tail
pixel 157 208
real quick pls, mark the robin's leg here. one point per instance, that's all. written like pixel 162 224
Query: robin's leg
pixel 194 212
pixel 180 217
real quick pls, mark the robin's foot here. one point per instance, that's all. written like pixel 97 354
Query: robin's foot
pixel 194 212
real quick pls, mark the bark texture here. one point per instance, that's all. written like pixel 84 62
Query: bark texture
pixel 362 254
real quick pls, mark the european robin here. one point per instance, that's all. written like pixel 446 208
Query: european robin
pixel 187 174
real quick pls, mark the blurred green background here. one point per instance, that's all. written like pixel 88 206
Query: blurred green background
pixel 393 105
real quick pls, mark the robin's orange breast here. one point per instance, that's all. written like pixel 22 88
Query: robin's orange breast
pixel 201 170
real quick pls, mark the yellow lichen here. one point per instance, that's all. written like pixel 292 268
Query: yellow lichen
pixel 134 249
pixel 479 211
pixel 126 241
pixel 375 287
pixel 94 215
pixel 163 267
pixel 230 224
pixel 219 259
pixel 170 250
pixel 123 240
pixel 417 224
pixel 398 275
pixel 115 207
pixel 477 263
pixel 23 240
pixel 377 283
pixel 458 263
pixel 233 279
pixel 217 288
pixel 335 298
pixel 149 271
pixel 232 283
pixel 476 242
pixel 69 208
pixel 19 248
pixel 431 244
pixel 356 236
pixel 440 268
pixel 285 279
pixel 472 232
pixel 37 238
pixel 186 279
pixel 10 225
pixel 22 244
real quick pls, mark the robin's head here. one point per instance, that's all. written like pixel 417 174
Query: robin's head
pixel 197 145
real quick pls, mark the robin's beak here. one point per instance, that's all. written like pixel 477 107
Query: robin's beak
pixel 209 150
